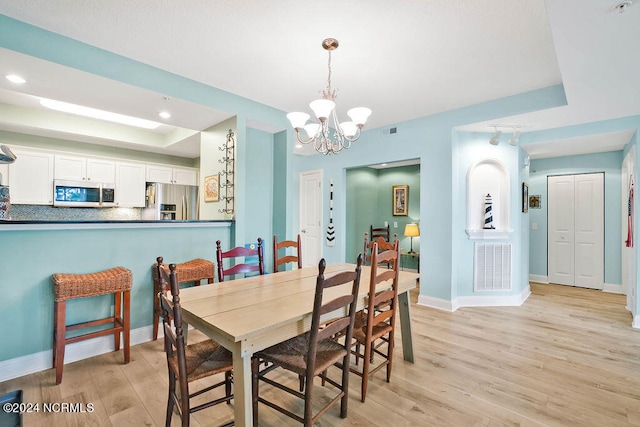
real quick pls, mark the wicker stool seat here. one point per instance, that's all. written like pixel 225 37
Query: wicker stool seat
pixel 116 281
pixel 191 271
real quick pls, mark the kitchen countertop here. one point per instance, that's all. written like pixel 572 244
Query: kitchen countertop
pixel 11 225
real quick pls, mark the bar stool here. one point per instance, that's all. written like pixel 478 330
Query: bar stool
pixel 115 281
pixel 191 271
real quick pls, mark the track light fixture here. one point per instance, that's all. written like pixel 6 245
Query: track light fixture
pixel 515 137
pixel 495 139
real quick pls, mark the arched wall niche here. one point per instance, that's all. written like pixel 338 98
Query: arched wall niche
pixel 488 176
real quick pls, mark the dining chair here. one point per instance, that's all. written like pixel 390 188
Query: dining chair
pixel 313 353
pixel 239 252
pixel 377 320
pixel 383 245
pixel 286 258
pixel 376 232
pixel 194 271
pixel 188 363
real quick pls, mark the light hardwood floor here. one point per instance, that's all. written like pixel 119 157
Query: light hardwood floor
pixel 566 357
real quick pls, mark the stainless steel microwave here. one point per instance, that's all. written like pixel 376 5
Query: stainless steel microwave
pixel 83 194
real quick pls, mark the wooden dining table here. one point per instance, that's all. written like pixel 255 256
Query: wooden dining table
pixel 251 314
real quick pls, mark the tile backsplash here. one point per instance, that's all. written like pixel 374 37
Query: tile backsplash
pixel 49 213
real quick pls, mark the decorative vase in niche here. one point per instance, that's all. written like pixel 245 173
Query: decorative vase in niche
pixel 488 213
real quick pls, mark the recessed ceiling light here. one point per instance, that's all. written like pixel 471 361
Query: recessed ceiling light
pixel 13 78
pixel 164 114
pixel 383 164
pixel 98 114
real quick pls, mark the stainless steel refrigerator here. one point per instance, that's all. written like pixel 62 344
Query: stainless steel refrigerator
pixel 171 202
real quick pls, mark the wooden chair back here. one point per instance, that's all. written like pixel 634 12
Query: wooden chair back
pixel 277 262
pixel 388 297
pixel 173 336
pixel 382 245
pixel 241 268
pixel 376 232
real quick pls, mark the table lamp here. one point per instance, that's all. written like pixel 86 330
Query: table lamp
pixel 412 230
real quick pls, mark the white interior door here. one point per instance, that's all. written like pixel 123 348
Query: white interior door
pixel 576 230
pixel 561 229
pixel 311 217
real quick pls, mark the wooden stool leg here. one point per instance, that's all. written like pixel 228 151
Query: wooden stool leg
pixel 60 313
pixel 126 326
pixel 117 318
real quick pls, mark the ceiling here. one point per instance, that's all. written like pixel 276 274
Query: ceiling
pixel 403 59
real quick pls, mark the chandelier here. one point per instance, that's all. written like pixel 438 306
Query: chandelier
pixel 319 133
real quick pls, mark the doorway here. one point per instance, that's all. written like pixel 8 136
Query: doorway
pixel 576 230
pixel 311 217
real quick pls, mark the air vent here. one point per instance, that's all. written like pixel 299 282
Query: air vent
pixel 390 131
pixel 492 267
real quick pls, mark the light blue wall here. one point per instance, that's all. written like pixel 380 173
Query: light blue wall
pixel 610 163
pixel 259 190
pixel 29 259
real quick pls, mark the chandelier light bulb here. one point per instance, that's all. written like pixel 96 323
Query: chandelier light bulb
pixel 322 108
pixel 359 115
pixel 348 128
pixel 312 129
pixel 298 119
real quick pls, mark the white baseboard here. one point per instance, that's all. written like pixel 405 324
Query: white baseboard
pixel 538 278
pixel 614 288
pixel 36 362
pixel 432 302
pixel 475 301
pixel 636 321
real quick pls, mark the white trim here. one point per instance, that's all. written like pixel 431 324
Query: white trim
pixel 36 362
pixel 614 288
pixel 636 322
pixel 538 278
pixel 432 302
pixel 489 234
pixel 475 301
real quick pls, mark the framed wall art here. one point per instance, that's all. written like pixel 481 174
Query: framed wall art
pixel 525 197
pixel 400 200
pixel 535 201
pixel 212 188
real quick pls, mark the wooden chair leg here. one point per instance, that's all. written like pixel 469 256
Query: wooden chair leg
pixel 126 326
pixel 117 317
pixel 345 386
pixel 171 403
pixel 227 386
pixel 365 371
pixel 60 313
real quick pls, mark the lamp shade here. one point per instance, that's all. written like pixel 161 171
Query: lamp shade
pixel 298 120
pixel 322 108
pixel 411 230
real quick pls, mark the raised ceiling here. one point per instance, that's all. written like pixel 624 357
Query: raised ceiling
pixel 404 60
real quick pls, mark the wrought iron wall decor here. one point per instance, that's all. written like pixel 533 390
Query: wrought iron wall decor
pixel 228 174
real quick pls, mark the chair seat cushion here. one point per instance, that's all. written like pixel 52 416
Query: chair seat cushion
pixel 69 285
pixel 203 359
pixel 360 328
pixel 292 353
pixel 191 271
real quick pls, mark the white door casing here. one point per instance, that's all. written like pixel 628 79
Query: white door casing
pixel 576 230
pixel 629 273
pixel 311 217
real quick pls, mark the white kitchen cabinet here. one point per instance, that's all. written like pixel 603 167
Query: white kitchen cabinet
pixel 77 168
pixel 31 178
pixel 172 175
pixel 130 185
pixel 185 176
